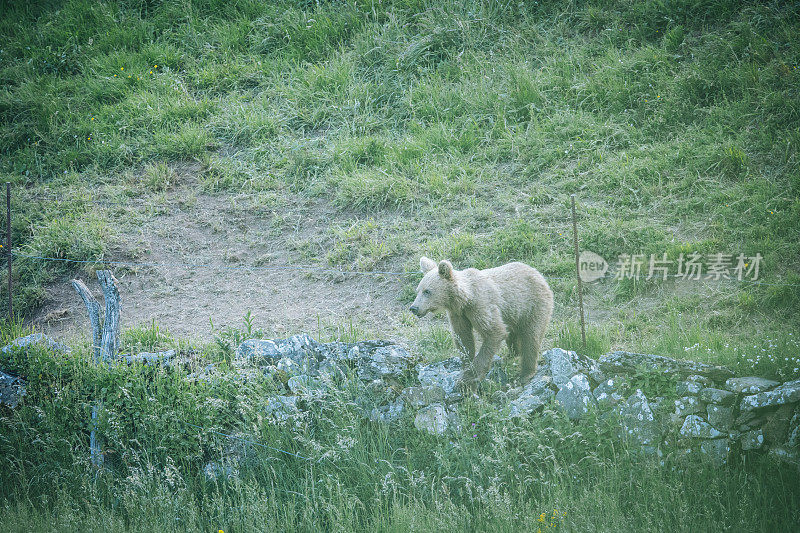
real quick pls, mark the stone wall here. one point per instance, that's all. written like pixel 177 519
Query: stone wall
pixel 704 408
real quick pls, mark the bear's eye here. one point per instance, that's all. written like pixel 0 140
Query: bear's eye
pixel 426 292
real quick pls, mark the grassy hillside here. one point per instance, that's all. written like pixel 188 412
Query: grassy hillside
pixel 457 129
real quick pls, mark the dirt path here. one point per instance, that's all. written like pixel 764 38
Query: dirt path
pixel 225 236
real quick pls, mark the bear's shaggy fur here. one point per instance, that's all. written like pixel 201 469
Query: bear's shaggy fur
pixel 512 302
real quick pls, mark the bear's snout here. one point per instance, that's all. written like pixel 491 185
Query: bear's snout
pixel 414 309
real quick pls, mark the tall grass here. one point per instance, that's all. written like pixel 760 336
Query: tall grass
pixel 333 469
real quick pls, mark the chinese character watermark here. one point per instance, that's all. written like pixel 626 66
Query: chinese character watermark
pixel 693 266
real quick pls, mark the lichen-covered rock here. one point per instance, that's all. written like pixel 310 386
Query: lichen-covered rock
pixel 386 361
pixel 575 397
pixel 688 405
pixel 423 395
pixel 12 389
pixel 626 362
pixel 35 338
pixel 610 392
pixel 720 417
pixel 563 364
pixel 290 366
pixel 151 358
pixel 535 394
pixel 331 369
pixel 257 351
pixel 752 440
pixel 717 396
pixel 638 423
pixel 794 430
pixel 442 373
pixel 435 419
pixel 692 385
pixel 787 393
pixel 496 373
pixel 776 428
pixel 282 408
pixel 696 427
pixel 790 456
pixel 205 374
pixel 387 413
pixel 266 351
pixel 303 384
pixel 750 385
pixel 445 374
pixel 717 450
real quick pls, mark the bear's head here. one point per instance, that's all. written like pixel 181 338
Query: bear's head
pixel 435 290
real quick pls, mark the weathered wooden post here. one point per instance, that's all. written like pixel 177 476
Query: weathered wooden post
pixel 110 338
pixel 93 308
pixel 105 338
pixel 578 270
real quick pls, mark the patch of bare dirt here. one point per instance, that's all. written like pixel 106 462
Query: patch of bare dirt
pixel 213 258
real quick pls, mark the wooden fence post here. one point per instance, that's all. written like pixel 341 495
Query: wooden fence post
pixel 578 271
pixel 105 339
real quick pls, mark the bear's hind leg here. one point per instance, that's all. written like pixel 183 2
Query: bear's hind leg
pixel 529 350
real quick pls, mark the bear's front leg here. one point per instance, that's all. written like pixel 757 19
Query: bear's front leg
pixel 476 372
pixel 463 337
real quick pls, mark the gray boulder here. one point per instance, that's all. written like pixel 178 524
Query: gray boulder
pixel 386 361
pixel 151 359
pixel 445 374
pixel 575 397
pixel 387 413
pixel 302 384
pixel 628 362
pixel 794 430
pixel 688 405
pixel 787 393
pixel 717 396
pixel 692 385
pixel 750 385
pixel 696 427
pixel 535 394
pixel 423 395
pixel 610 392
pixel 752 440
pixel 638 424
pixel 720 417
pixel 435 419
pixel 12 389
pixel 563 364
pixel 496 373
pixel 259 352
pixel 331 369
pixel 35 339
pixel 716 450
pixel 789 456
pixel 282 408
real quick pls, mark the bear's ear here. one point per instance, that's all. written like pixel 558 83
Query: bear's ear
pixel 426 265
pixel 445 269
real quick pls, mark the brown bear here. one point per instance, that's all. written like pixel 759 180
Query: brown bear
pixel 511 302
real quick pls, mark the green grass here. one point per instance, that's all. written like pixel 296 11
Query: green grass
pixel 453 129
